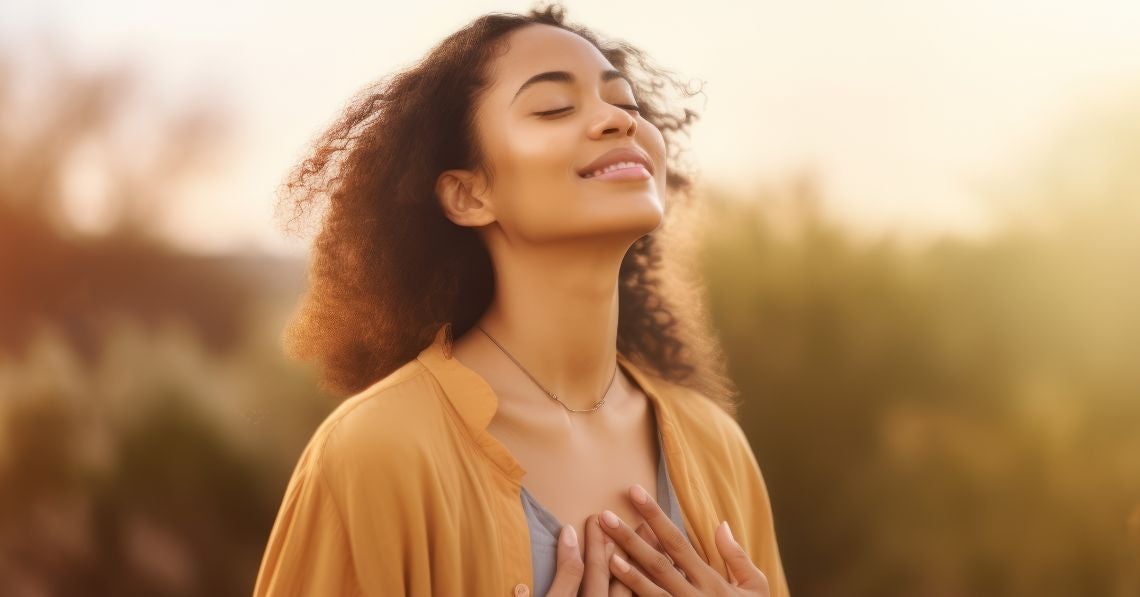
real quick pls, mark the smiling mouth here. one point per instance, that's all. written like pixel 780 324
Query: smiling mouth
pixel 622 171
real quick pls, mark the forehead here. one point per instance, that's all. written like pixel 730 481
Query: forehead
pixel 539 48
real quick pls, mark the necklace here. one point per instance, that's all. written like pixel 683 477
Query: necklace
pixel 552 396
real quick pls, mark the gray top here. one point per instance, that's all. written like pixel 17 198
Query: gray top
pixel 545 527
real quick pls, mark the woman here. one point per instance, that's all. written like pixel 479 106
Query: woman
pixel 489 288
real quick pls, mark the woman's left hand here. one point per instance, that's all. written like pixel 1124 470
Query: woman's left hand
pixel 661 576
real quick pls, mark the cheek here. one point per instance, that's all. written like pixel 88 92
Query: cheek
pixel 531 145
pixel 538 163
pixel 525 153
pixel 536 186
pixel 654 141
pixel 651 139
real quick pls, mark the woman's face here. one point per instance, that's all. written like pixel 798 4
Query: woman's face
pixel 535 190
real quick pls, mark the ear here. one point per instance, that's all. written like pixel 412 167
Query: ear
pixel 462 195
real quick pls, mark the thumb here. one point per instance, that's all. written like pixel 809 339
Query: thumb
pixel 740 566
pixel 569 571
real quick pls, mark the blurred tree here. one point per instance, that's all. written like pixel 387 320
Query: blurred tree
pixel 50 272
pixel 137 456
pixel 956 420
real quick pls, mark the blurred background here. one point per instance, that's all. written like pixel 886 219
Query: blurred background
pixel 925 269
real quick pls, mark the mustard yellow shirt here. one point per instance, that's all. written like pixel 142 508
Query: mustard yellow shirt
pixel 402 490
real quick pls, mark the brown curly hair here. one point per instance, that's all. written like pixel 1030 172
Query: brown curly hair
pixel 388 268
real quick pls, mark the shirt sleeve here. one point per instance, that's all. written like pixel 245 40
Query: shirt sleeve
pixel 308 551
pixel 759 538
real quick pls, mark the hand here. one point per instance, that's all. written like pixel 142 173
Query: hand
pixel 660 576
pixel 594 576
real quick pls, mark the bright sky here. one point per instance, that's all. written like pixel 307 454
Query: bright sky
pixel 906 107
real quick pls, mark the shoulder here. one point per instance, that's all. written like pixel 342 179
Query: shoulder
pixel 702 420
pixel 389 425
pixel 713 437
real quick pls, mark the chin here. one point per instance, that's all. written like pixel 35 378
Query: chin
pixel 646 219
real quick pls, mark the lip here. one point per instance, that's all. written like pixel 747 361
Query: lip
pixel 620 154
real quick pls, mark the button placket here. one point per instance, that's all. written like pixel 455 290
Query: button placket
pixel 521 590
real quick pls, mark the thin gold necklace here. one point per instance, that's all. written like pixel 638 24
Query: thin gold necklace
pixel 548 393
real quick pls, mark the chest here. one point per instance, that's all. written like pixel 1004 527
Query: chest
pixel 590 470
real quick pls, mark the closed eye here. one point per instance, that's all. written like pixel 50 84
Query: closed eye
pixel 560 110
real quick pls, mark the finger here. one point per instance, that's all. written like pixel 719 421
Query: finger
pixel 656 564
pixel 617 588
pixel 647 535
pixel 635 580
pixel 570 568
pixel 596 578
pixel 674 541
pixel 740 566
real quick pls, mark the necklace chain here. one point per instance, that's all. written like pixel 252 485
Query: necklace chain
pixel 548 393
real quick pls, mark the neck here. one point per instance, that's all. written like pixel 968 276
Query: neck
pixel 555 310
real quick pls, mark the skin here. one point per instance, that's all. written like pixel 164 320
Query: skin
pixel 557 241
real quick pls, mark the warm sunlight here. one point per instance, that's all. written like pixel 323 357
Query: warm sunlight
pixel 914 236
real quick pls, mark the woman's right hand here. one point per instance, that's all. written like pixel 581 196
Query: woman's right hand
pixel 593 577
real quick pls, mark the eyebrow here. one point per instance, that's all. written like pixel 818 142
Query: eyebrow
pixel 562 76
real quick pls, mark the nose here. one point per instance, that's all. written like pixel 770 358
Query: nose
pixel 614 119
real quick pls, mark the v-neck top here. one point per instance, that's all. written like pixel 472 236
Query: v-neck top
pixel 403 490
pixel 545 526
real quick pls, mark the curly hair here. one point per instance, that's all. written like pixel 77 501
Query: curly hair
pixel 388 268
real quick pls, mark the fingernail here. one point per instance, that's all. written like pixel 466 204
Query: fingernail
pixel 639 494
pixel 569 536
pixel 610 519
pixel 620 563
pixel 729 529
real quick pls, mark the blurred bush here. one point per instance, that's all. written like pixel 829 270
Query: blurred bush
pixel 147 417
pixel 958 419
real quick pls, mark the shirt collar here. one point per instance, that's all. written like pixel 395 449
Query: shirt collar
pixel 476 403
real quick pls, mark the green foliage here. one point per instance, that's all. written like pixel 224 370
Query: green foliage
pixel 959 419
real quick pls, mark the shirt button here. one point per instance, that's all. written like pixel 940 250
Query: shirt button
pixel 521 590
